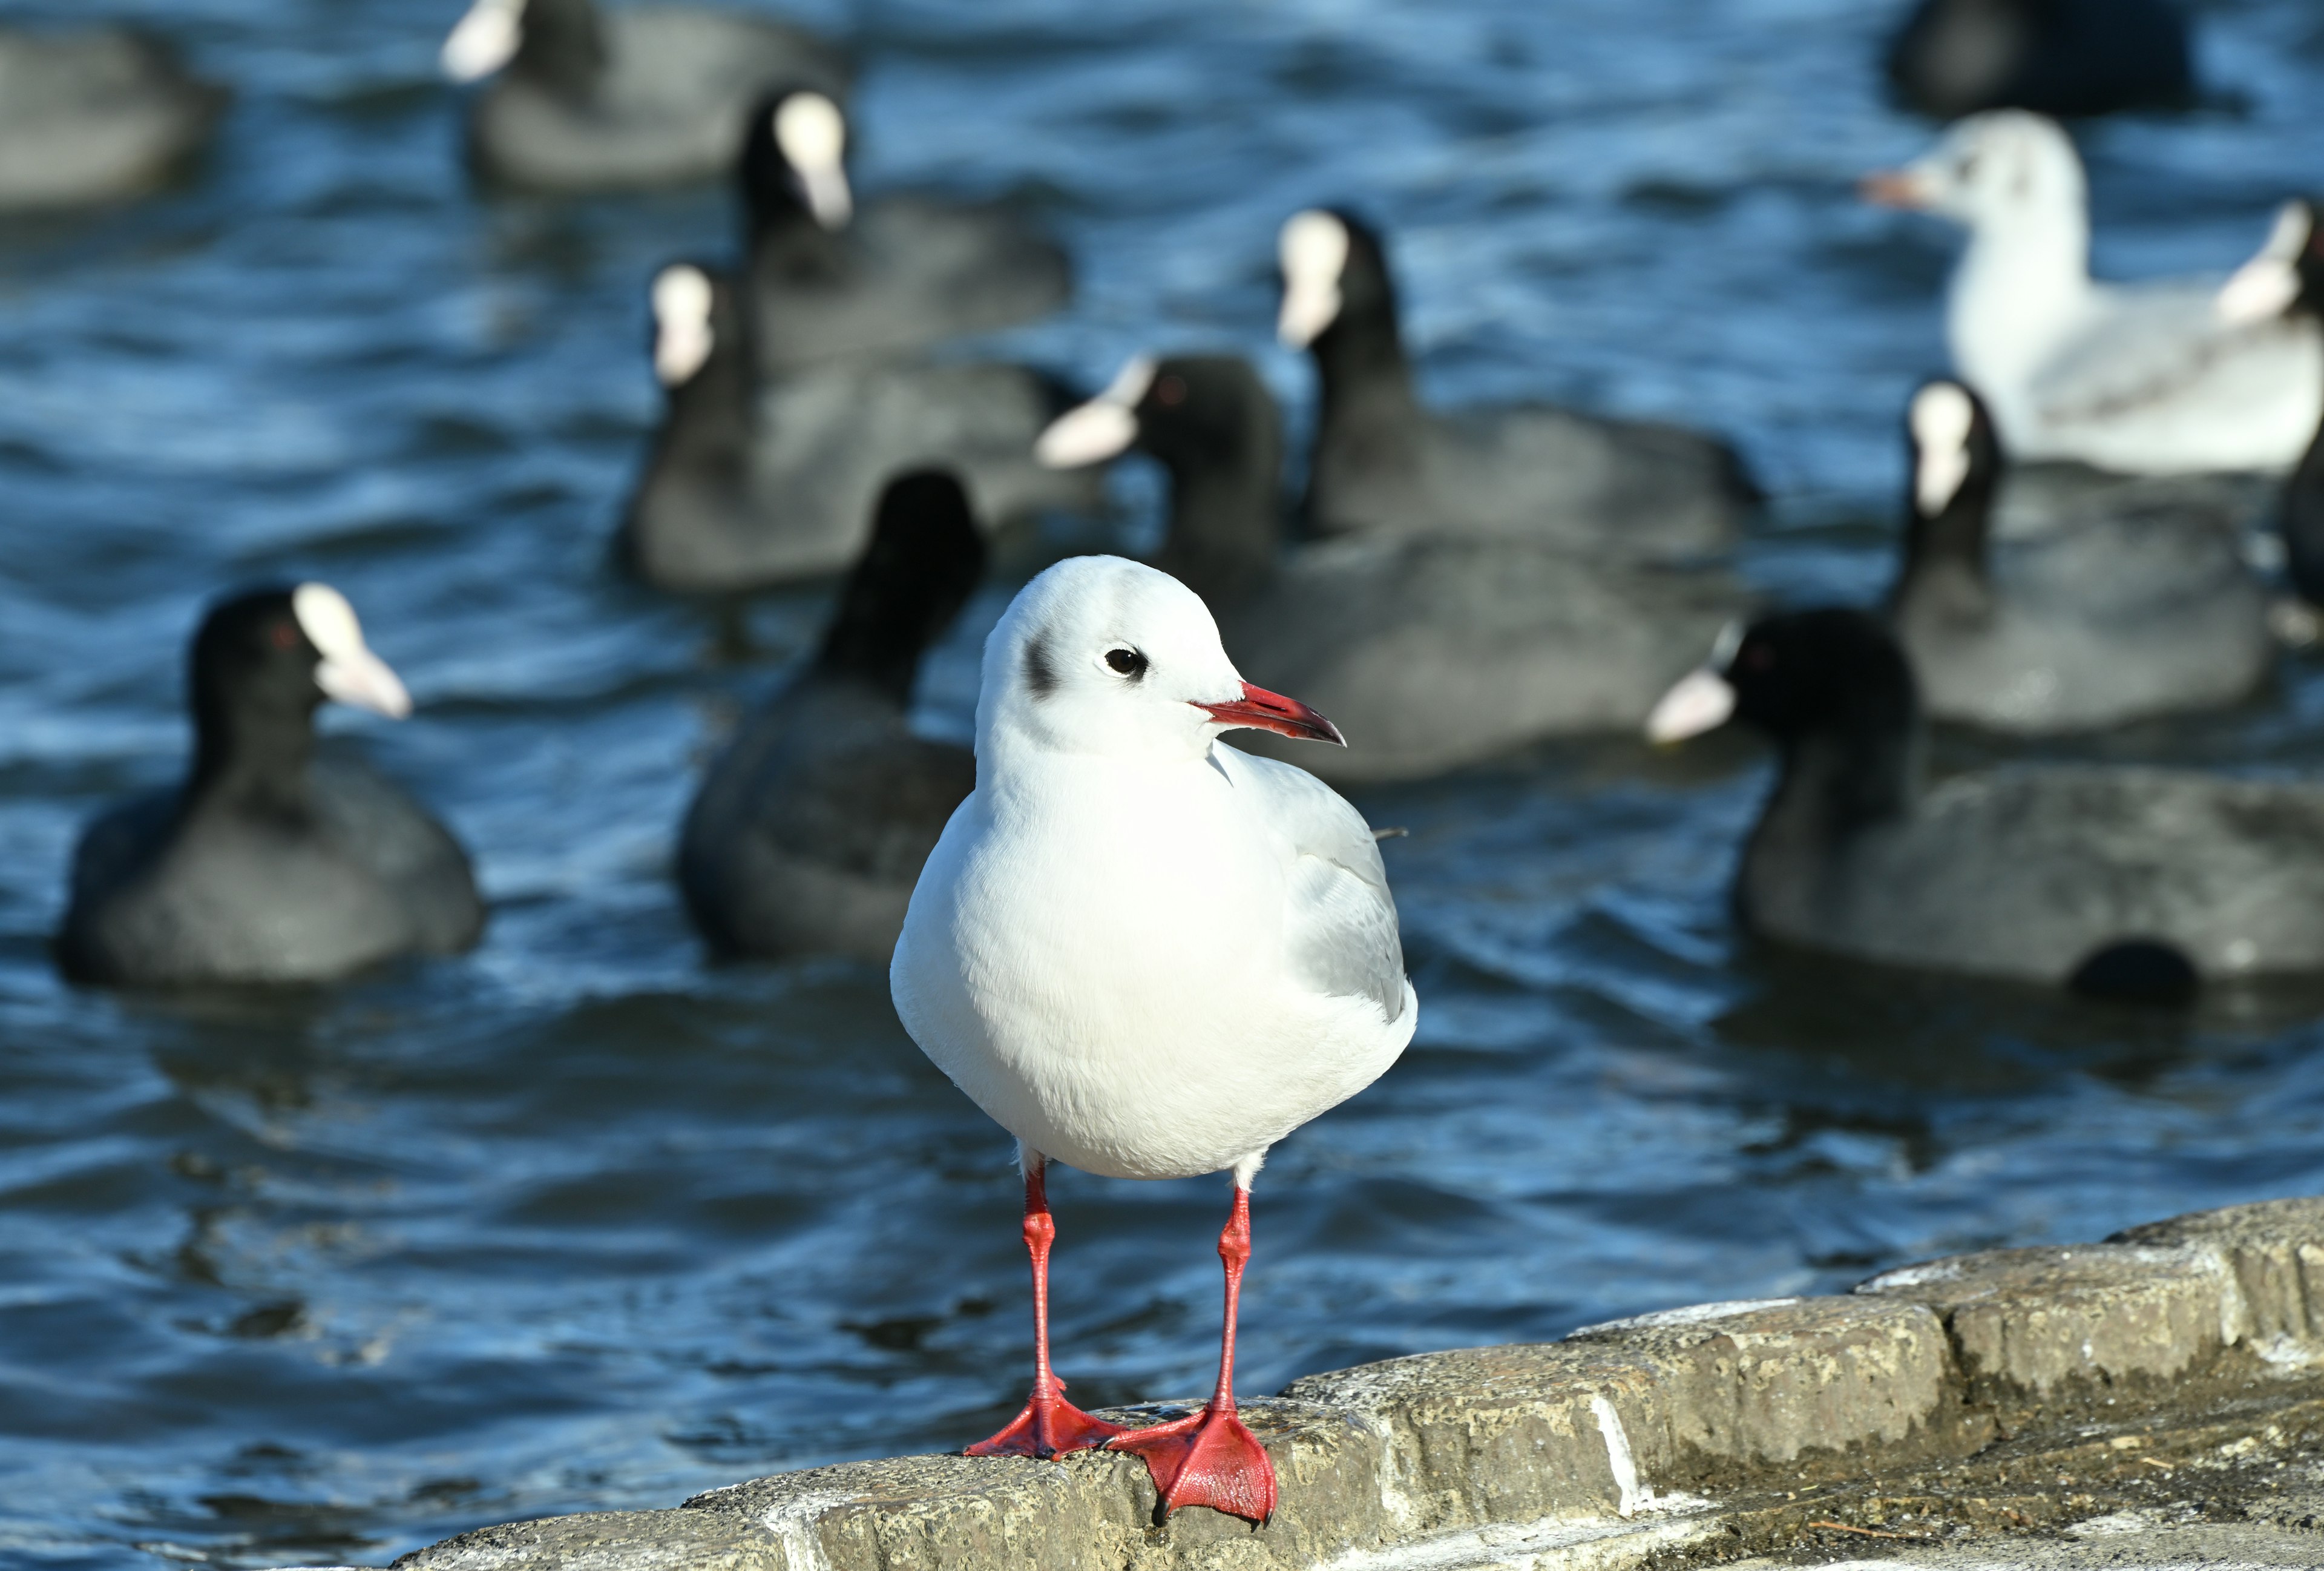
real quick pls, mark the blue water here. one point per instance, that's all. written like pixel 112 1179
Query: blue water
pixel 580 1221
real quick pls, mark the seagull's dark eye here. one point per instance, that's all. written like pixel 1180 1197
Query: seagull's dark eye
pixel 1128 661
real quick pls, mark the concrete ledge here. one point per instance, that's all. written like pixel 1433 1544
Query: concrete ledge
pixel 2273 1255
pixel 1775 1382
pixel 647 1540
pixel 2029 1324
pixel 2177 1367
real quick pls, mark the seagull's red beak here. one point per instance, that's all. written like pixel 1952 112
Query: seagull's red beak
pixel 1893 188
pixel 1264 711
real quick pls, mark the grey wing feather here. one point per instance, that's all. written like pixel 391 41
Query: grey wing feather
pixel 1343 938
pixel 2151 347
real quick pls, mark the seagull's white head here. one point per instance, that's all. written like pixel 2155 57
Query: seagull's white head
pixel 1107 657
pixel 2004 168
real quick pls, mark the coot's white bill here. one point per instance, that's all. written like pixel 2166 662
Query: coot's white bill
pixel 1701 700
pixel 484 41
pixel 1313 252
pixel 1104 428
pixel 813 135
pixel 683 339
pixel 1941 418
pixel 349 672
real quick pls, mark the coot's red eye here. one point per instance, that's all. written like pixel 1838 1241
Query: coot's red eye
pixel 286 636
pixel 1758 657
pixel 1170 390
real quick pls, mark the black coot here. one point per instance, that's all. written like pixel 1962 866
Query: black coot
pixel 268 864
pixel 95 117
pixel 809 831
pixel 2111 879
pixel 2099 620
pixel 1383 463
pixel 832 278
pixel 2303 495
pixel 751 483
pixel 2057 57
pixel 633 96
pixel 1429 651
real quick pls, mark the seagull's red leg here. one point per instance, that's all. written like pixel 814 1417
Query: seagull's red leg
pixel 1049 1426
pixel 1209 1458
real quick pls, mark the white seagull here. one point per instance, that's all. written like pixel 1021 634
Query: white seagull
pixel 2156 377
pixel 1144 953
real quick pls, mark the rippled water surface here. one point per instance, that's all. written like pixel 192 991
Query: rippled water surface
pixel 580 1221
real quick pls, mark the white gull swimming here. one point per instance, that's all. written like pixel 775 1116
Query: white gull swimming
pixel 2154 377
pixel 1145 953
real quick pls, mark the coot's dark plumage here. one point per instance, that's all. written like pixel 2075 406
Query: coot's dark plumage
pixel 832 278
pixel 1429 651
pixel 268 865
pixel 584 100
pixel 808 833
pixel 750 484
pixel 2109 619
pixel 2304 525
pixel 2301 240
pixel 94 117
pixel 2047 875
pixel 2059 57
pixel 1382 463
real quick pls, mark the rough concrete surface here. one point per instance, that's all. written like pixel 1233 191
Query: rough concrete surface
pixel 2158 1549
pixel 2153 1400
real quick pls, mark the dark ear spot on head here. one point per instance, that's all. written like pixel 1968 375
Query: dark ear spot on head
pixel 1040 676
